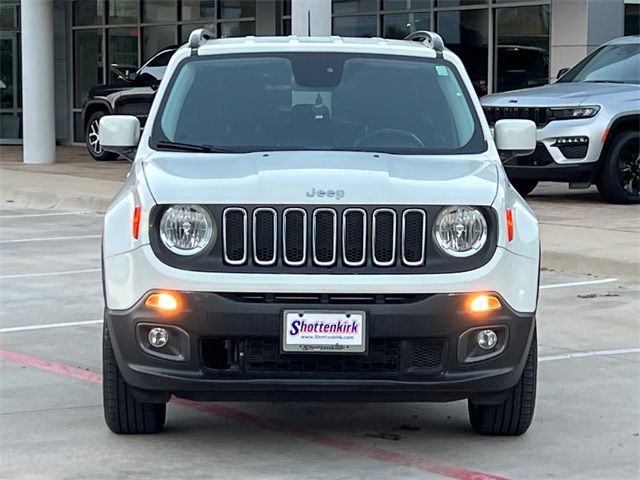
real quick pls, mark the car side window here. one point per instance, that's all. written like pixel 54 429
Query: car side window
pixel 157 65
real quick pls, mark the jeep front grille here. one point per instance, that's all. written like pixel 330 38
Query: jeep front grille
pixel 540 115
pixel 325 237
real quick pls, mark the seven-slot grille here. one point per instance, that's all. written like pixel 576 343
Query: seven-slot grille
pixel 540 115
pixel 323 237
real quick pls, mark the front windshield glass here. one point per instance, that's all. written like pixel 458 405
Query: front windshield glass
pixel 318 101
pixel 608 64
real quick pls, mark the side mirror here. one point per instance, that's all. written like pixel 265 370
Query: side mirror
pixel 514 138
pixel 120 134
pixel 561 72
pixel 131 76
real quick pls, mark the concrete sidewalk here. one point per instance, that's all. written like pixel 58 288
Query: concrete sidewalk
pixel 580 233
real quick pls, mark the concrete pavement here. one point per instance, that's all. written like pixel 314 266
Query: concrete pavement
pixel 580 232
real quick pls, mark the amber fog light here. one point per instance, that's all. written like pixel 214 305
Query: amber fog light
pixel 484 303
pixel 162 301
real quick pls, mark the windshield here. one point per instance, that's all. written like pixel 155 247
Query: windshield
pixel 608 64
pixel 317 101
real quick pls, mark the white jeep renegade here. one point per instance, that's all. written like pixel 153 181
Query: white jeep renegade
pixel 319 219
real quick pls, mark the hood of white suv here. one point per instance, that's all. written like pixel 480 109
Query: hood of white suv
pixel 563 94
pixel 320 178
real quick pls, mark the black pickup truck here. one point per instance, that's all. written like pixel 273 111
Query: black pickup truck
pixel 131 94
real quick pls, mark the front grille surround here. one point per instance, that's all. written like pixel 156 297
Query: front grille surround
pixel 214 258
pixel 406 240
pixel 347 247
pixel 287 253
pixel 318 231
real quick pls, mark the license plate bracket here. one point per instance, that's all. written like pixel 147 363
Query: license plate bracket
pixel 324 331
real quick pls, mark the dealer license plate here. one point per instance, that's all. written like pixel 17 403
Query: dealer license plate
pixel 324 331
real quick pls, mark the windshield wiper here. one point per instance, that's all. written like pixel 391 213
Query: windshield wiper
pixel 602 81
pixel 189 147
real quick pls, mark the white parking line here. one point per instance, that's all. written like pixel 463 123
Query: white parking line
pixel 29 215
pixel 578 284
pixel 49 274
pixel 48 239
pixel 594 353
pixel 49 325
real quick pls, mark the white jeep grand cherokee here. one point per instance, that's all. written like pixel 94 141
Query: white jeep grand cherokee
pixel 319 219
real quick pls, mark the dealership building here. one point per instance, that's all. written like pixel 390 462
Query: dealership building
pixel 53 51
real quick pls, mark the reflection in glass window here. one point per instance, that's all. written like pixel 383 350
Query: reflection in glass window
pixel 355 26
pixel 237 8
pixel 608 64
pixel 123 11
pixel 351 6
pixel 198 9
pixel 123 53
pixel 522 47
pixel 237 29
pixel 405 4
pixel 465 32
pixel 155 39
pixel 87 61
pixel 402 24
pixel 159 11
pixel 88 12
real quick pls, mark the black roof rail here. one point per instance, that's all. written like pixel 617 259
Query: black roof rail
pixel 430 39
pixel 197 38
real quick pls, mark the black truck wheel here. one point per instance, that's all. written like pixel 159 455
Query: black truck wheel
pixel 619 179
pixel 514 415
pixel 92 138
pixel 122 412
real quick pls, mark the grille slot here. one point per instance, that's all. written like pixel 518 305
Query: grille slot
pixel 265 236
pixel 294 236
pixel 414 223
pixel 427 354
pixel 354 237
pixel 384 237
pixel 325 230
pixel 234 233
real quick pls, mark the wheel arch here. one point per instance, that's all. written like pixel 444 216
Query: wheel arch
pixel 621 124
pixel 95 106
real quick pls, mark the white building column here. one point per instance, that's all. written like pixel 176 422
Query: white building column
pixel 311 17
pixel 579 27
pixel 38 101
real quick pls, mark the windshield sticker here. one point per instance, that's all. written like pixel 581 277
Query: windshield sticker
pixel 442 71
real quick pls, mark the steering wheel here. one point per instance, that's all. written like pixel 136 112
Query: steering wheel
pixel 402 134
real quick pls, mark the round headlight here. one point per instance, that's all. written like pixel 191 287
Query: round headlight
pixel 460 231
pixel 187 229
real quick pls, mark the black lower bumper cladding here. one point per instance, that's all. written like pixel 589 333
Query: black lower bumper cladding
pixel 228 347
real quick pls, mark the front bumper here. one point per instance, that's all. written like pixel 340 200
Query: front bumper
pixel 227 348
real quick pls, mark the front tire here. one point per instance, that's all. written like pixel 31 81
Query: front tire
pixel 524 187
pixel 619 179
pixel 122 412
pixel 92 138
pixel 514 415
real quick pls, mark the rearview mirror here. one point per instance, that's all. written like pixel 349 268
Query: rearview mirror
pixel 120 134
pixel 514 138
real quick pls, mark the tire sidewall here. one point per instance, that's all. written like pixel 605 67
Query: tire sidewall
pixel 610 181
pixel 104 155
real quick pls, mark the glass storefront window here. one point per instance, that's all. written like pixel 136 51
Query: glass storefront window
pixel 88 12
pixel 400 25
pixel 198 9
pixel 522 47
pixel 87 61
pixel 632 18
pixel 361 26
pixel 123 11
pixel 155 39
pixel 466 33
pixel 237 8
pixel 405 4
pixel 351 6
pixel 458 3
pixel 154 11
pixel 236 29
pixel 11 126
pixel 122 52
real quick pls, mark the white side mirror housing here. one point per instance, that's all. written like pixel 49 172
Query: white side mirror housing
pixel 515 137
pixel 120 134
